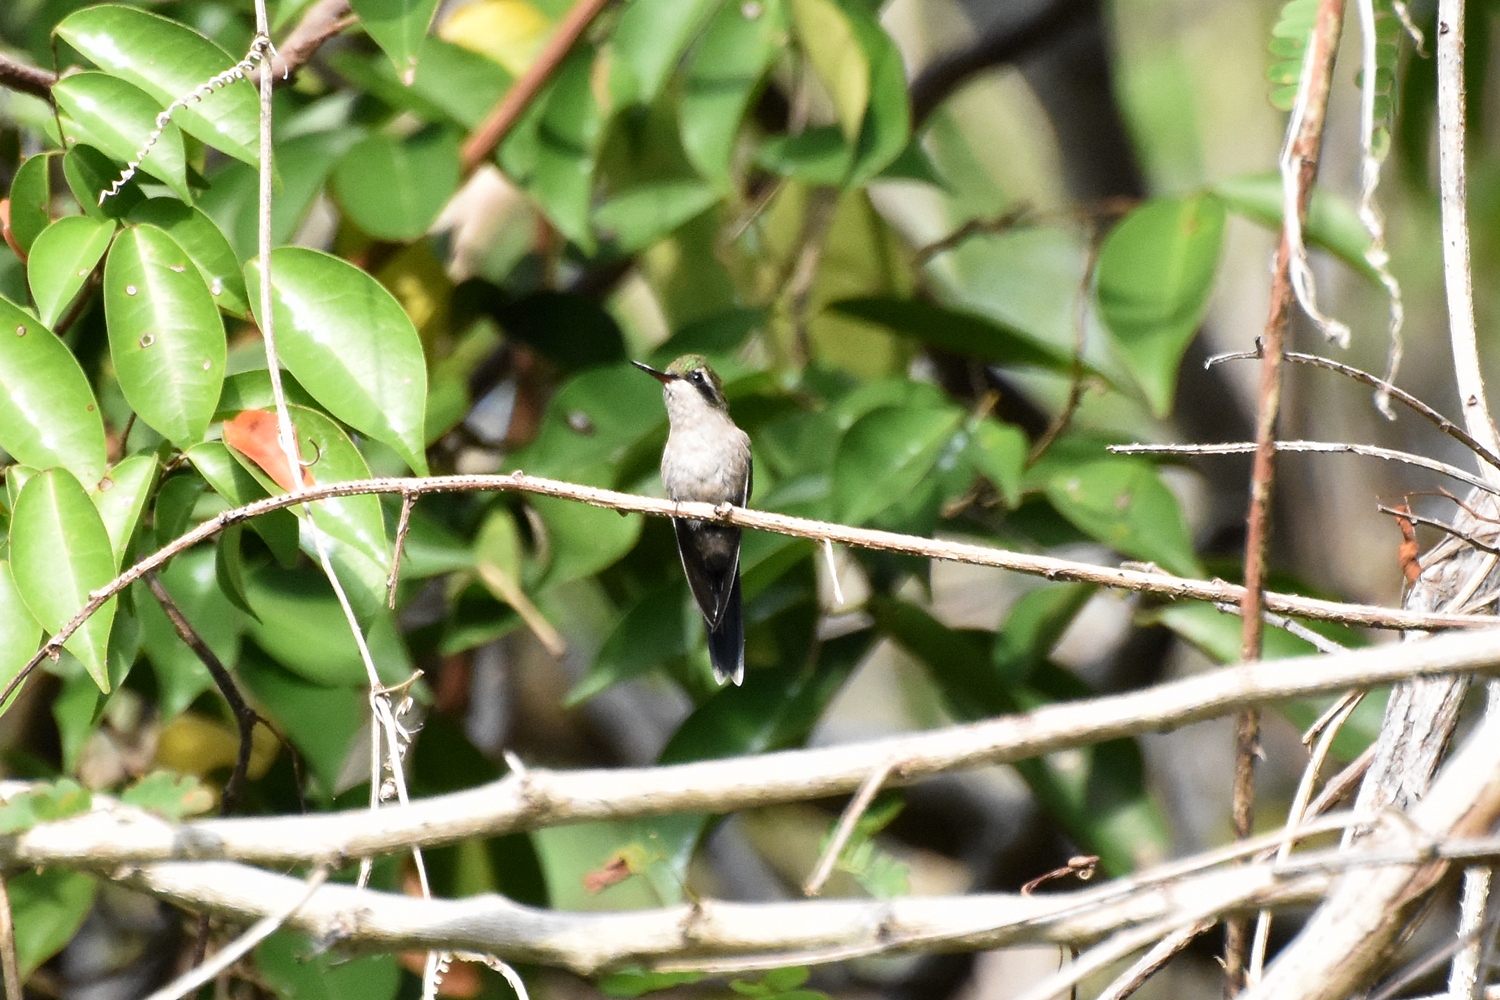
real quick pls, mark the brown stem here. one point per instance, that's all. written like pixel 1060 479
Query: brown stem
pixel 26 79
pixel 1305 148
pixel 321 22
pixel 497 125
pixel 8 962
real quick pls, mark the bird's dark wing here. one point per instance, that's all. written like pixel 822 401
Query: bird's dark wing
pixel 711 560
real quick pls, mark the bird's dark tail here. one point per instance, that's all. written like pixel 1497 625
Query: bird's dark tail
pixel 726 644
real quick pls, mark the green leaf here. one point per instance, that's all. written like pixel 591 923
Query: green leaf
pixel 394 188
pixel 165 334
pixel 596 418
pixel 31 198
pixel 398 27
pixel 117 118
pixel 47 908
pixel 48 415
pixel 20 632
pixel 1033 626
pixel 584 539
pixel 1125 505
pixel 567 132
pixel 1155 274
pixel 818 156
pixel 886 128
pixel 174 796
pixel 169 61
pixel 885 455
pixel 62 258
pixel 234 483
pixel 966 333
pixel 193 583
pixel 651 633
pixel 641 216
pixel 723 74
pixel 44 802
pixel 999 452
pixel 634 982
pixel 650 38
pixel 348 341
pixel 464 84
pixel 829 39
pixel 202 241
pixel 1332 222
pixel 121 497
pixel 60 553
pixel 89 174
pixel 321 722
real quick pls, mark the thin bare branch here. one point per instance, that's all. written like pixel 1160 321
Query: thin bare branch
pixel 1155 960
pixel 868 789
pixel 26 79
pixel 9 966
pixel 408 501
pixel 322 21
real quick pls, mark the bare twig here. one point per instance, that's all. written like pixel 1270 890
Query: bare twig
pixel 847 822
pixel 493 130
pixel 539 797
pixel 26 79
pixel 1161 584
pixel 1299 166
pixel 408 501
pixel 321 22
pixel 1468 537
pixel 1155 960
pixel 241 946
pixel 1319 447
pixel 1465 974
pixel 9 966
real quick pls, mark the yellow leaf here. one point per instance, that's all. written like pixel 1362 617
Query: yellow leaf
pixel 511 32
pixel 836 57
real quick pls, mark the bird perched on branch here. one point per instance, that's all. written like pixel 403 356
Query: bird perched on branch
pixel 707 460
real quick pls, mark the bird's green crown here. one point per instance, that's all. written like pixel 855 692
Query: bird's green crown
pixel 695 369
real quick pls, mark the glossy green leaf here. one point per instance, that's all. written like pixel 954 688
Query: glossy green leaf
pixel 192 581
pixel 118 118
pixel 886 128
pixel 1033 626
pixel 584 540
pixel 172 511
pixel 828 36
pixel 558 164
pixel 169 61
pixel 818 156
pixel 650 634
pixel 464 84
pixel 321 722
pixel 62 258
pixel 1154 277
pixel 89 174
pixel 1332 223
pixel 597 417
pixel 394 188
pixel 202 241
pixel 20 632
pixel 398 27
pixel 60 553
pixel 885 455
pixel 723 74
pixel 638 218
pixel 48 415
pixel 349 342
pixel 999 452
pixel 232 481
pixel 174 796
pixel 31 198
pixel 965 333
pixel 121 497
pixel 1124 504
pixel 165 334
pixel 47 908
pixel 650 38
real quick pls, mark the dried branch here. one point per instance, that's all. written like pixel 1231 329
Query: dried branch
pixel 1154 960
pixel 481 145
pixel 537 798
pixel 1299 163
pixel 26 79
pixel 317 25
pixel 868 789
pixel 1161 584
pixel 10 967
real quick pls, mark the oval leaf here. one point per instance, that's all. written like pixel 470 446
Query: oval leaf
pixel 118 118
pixel 722 76
pixel 170 61
pixel 398 27
pixel 1156 270
pixel 394 188
pixel 121 496
pixel 201 239
pixel 966 333
pixel 165 335
pixel 60 554
pixel 48 416
pixel 31 199
pixel 828 37
pixel 347 339
pixel 61 260
pixel 885 455
pixel 19 630
pixel 1125 505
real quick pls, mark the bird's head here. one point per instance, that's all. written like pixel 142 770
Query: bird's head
pixel 689 383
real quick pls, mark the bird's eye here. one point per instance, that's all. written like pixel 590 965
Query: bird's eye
pixel 697 377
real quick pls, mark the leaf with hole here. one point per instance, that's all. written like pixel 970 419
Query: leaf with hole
pixel 165 335
pixel 48 415
pixel 121 497
pixel 60 554
pixel 202 241
pixel 62 258
pixel 349 342
pixel 118 118
pixel 1155 274
pixel 170 62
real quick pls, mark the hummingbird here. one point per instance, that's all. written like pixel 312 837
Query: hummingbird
pixel 707 459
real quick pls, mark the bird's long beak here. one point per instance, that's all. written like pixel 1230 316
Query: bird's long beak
pixel 661 377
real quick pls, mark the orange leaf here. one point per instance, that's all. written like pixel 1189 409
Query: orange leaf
pixel 253 434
